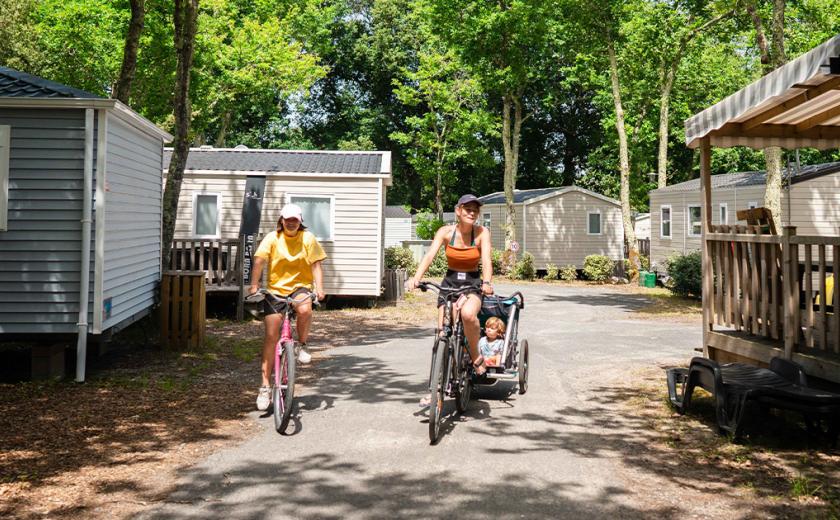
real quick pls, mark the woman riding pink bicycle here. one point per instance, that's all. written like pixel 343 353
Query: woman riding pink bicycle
pixel 294 259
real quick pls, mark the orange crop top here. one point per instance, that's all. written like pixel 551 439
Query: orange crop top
pixel 463 259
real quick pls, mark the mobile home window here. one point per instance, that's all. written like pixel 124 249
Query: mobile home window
pixel 5 145
pixel 695 226
pixel 665 222
pixel 724 216
pixel 206 222
pixel 486 220
pixel 593 223
pixel 318 213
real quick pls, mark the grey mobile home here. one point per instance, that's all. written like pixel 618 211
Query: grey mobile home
pixel 80 209
pixel 342 195
pixel 561 226
pixel 812 203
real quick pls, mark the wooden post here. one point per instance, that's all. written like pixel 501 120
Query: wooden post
pixel 240 262
pixel 789 289
pixel 706 197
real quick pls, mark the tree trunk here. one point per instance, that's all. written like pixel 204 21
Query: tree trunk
pixel 664 109
pixel 185 21
pixel 222 136
pixel 773 154
pixel 510 168
pixel 624 160
pixel 438 196
pixel 122 89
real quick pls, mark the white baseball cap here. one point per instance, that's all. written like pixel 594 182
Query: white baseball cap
pixel 292 211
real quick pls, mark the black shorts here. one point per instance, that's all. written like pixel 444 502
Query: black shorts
pixel 281 306
pixel 456 280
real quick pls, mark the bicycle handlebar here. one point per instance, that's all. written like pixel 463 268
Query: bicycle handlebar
pixel 450 291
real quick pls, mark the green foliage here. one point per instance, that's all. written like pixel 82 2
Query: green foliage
pixel 645 262
pixel 499 265
pixel 439 264
pixel 551 272
pixel 524 268
pixel 427 226
pixel 598 268
pixel 685 274
pixel 398 257
pixel 568 273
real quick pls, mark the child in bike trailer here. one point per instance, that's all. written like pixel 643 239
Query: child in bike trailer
pixel 294 259
pixel 492 343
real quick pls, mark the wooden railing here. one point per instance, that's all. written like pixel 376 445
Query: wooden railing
pixel 219 259
pixel 775 286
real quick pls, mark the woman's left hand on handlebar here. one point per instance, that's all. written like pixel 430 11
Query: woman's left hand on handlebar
pixel 487 288
pixel 320 295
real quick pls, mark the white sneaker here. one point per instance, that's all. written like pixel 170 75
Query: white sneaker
pixel 303 356
pixel 264 398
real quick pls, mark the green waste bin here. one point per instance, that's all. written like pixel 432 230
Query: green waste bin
pixel 647 279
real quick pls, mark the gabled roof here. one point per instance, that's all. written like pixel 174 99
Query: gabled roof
pixel 754 178
pixel 14 83
pixel 285 161
pixel 536 195
pixel 396 212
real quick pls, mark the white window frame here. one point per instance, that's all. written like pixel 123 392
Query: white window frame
pixel 600 223
pixel 218 196
pixel 670 222
pixel 5 157
pixel 288 200
pixel 723 211
pixel 689 229
pixel 487 219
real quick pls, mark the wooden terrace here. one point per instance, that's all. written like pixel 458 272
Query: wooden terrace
pixel 767 294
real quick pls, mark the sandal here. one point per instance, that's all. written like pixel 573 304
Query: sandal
pixel 479 366
pixel 426 401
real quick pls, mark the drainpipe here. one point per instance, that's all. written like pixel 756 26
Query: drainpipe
pixel 84 284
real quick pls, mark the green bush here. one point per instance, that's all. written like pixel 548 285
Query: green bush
pixel 499 268
pixel 439 265
pixel 524 269
pixel 685 274
pixel 598 268
pixel 427 226
pixel 645 262
pixel 551 272
pixel 568 273
pixel 398 257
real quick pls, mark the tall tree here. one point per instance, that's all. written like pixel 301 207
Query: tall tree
pixel 122 89
pixel 185 24
pixel 454 120
pixel 772 57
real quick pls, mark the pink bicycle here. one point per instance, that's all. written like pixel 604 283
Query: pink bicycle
pixel 283 391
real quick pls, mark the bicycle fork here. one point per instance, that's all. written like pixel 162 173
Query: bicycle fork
pixel 285 337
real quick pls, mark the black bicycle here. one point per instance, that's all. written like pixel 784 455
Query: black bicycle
pixel 452 369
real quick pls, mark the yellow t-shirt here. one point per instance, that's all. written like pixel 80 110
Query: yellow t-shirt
pixel 290 260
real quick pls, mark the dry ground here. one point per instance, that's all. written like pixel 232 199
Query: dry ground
pixel 111 446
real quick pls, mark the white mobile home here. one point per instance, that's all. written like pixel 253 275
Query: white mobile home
pixel 80 209
pixel 397 226
pixel 812 203
pixel 561 226
pixel 342 195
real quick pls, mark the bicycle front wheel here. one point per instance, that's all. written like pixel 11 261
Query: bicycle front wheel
pixel 464 387
pixel 440 365
pixel 284 388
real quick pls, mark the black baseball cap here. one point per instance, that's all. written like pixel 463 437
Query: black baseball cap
pixel 469 197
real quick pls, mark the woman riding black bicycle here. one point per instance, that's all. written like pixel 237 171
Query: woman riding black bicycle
pixel 467 244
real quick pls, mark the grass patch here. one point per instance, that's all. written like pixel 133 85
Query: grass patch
pixel 804 486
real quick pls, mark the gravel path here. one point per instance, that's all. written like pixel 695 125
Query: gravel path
pixel 360 449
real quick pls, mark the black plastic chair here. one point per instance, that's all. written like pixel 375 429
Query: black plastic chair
pixel 783 386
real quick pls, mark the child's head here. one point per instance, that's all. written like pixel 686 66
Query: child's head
pixel 494 328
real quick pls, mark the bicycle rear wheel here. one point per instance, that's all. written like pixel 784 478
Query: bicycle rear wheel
pixel 440 365
pixel 523 366
pixel 284 388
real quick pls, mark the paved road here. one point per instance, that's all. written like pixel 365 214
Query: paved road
pixel 362 451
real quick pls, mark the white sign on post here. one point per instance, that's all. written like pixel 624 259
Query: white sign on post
pixel 514 246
